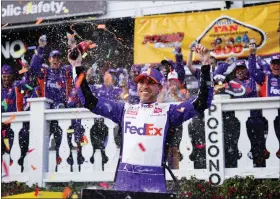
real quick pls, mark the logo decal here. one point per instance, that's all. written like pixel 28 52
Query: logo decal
pixel 230 36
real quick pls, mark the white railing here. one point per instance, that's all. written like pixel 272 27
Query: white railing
pixel 39 165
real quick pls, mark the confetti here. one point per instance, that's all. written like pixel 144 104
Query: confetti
pixel 5 25
pixel 24 70
pixel 28 7
pixel 65 10
pixel 66 192
pixel 101 26
pixel 74 196
pixel 6 142
pixel 182 109
pixel 20 52
pixel 22 63
pixel 39 21
pixel 69 36
pixel 84 55
pixel 4 133
pixel 22 91
pixel 108 55
pixel 58 160
pixel 91 17
pixel 104 185
pixel 29 87
pixel 79 80
pixel 125 96
pixel 84 140
pixel 91 46
pixel 53 176
pixel 10 119
pixel 4 103
pixel 30 150
pixel 141 147
pixel 31 48
pixel 34 168
pixel 70 131
pixel 36 191
pixel 5 167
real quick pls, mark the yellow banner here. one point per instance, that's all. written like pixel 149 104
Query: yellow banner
pixel 226 33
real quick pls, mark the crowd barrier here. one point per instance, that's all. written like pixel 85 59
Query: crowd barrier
pixel 223 143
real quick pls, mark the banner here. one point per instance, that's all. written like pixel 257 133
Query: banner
pixel 14 12
pixel 226 33
pixel 19 43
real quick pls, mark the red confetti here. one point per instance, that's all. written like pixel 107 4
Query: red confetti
pixel 4 133
pixel 79 80
pixel 58 160
pixel 36 191
pixel 101 26
pixel 34 168
pixel 66 192
pixel 39 21
pixel 5 167
pixel 142 147
pixel 200 146
pixel 84 140
pixel 22 64
pixel 104 184
pixel 24 70
pixel 5 25
pixel 92 46
pixel 10 119
pixel 30 150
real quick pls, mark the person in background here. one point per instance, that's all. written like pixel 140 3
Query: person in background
pixel 195 129
pixel 99 131
pixel 243 85
pixel 133 97
pixel 55 82
pixel 77 129
pixel 12 100
pixel 269 82
pixel 155 118
pixel 174 136
pixel 178 66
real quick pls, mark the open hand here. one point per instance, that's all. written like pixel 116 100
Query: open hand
pixel 203 54
pixel 42 41
pixel 252 46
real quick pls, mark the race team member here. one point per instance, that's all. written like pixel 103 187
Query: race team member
pixel 169 65
pixel 244 86
pixel 269 82
pixel 12 100
pixel 169 95
pixel 145 125
pixel 77 129
pixel 55 83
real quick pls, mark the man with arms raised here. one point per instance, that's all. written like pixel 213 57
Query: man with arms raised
pixel 145 125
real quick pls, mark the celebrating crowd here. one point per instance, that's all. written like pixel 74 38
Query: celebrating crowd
pixel 238 78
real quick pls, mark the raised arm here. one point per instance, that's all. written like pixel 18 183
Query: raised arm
pixel 99 106
pixel 264 66
pixel 190 59
pixel 258 75
pixel 36 63
pixel 179 65
pixel 188 109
